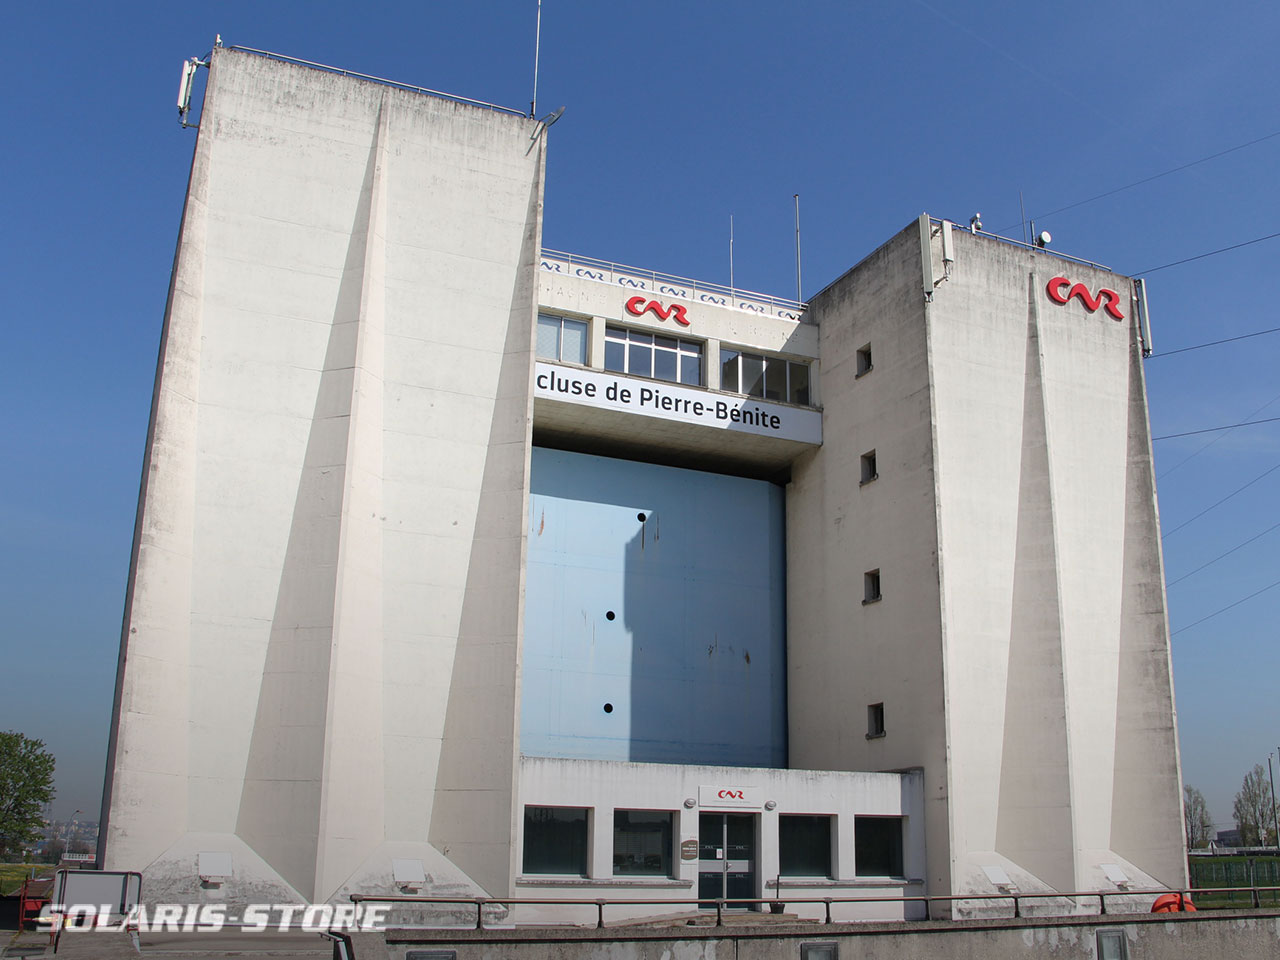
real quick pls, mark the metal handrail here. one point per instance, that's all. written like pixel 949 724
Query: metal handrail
pixel 721 902
pixel 673 285
pixel 1028 245
pixel 383 80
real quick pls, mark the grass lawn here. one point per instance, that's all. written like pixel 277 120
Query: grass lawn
pixel 12 874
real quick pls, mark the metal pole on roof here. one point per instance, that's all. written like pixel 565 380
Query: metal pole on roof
pixel 799 298
pixel 731 255
pixel 537 44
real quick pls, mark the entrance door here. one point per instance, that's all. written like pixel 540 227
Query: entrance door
pixel 727 857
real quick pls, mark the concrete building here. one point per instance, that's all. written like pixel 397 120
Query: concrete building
pixel 467 568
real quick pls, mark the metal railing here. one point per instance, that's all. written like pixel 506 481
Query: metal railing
pixel 1023 243
pixel 1016 899
pixel 383 80
pixel 670 285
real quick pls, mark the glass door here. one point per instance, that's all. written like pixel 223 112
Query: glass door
pixel 727 857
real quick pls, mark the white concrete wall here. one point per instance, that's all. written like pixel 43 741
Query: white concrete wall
pixel 605 786
pixel 329 560
pixel 1021 647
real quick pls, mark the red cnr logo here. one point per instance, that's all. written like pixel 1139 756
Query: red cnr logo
pixel 1108 299
pixel 730 795
pixel 638 306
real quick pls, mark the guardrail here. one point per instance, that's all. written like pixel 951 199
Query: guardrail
pixel 670 285
pixel 720 904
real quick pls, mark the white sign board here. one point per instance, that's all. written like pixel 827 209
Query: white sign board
pixel 671 401
pixel 721 796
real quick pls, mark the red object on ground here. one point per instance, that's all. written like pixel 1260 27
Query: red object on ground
pixel 34 895
pixel 1172 903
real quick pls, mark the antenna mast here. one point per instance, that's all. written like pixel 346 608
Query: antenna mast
pixel 537 44
pixel 731 255
pixel 799 299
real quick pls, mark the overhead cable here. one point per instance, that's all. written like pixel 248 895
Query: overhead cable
pixel 1227 554
pixel 1211 253
pixel 1219 437
pixel 1212 343
pixel 1156 176
pixel 1269 586
pixel 1229 426
pixel 1220 502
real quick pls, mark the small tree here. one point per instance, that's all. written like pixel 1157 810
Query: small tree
pixel 26 785
pixel 1253 808
pixel 1195 812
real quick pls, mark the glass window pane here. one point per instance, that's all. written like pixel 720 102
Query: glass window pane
pixel 877 846
pixel 798 383
pixel 548 345
pixel 642 843
pixel 555 840
pixel 729 371
pixel 640 360
pixel 668 343
pixel 638 336
pixel 775 379
pixel 752 375
pixel 691 370
pixel 615 355
pixel 573 346
pixel 804 846
pixel 615 333
pixel 691 346
pixel 664 364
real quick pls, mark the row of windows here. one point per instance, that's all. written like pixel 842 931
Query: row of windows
pixel 675 359
pixel 556 843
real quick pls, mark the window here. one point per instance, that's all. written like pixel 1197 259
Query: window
pixel 1112 945
pixel 560 338
pixel 877 846
pixel 804 846
pixel 642 843
pixel 769 378
pixel 869 467
pixel 871 586
pixel 864 360
pixel 653 355
pixel 555 840
pixel 820 951
pixel 875 720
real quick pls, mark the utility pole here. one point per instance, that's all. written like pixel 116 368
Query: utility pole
pixel 1275 818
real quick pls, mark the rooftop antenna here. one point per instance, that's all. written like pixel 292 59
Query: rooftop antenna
pixel 731 293
pixel 537 44
pixel 799 299
pixel 1023 211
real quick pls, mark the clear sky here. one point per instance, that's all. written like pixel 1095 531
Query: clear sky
pixel 678 115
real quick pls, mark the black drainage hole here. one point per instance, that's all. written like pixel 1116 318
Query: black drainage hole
pixel 640 517
pixel 610 615
pixel 608 708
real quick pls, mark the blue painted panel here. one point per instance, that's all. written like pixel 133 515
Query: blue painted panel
pixel 693 662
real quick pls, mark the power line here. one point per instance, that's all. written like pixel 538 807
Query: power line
pixel 1157 176
pixel 1221 436
pixel 1213 343
pixel 1227 607
pixel 1221 502
pixel 1211 253
pixel 1229 426
pixel 1227 554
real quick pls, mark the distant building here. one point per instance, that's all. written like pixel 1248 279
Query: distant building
pixel 464 567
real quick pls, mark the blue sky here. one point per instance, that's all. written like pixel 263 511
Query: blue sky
pixel 678 115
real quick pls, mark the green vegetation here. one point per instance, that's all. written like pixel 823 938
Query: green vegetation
pixel 12 875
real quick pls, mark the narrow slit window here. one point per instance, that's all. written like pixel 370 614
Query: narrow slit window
pixel 869 472
pixel 864 360
pixel 871 586
pixel 875 720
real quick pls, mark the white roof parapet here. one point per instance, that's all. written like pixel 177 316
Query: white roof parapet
pixel 667 285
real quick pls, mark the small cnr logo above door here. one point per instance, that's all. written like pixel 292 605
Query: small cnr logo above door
pixel 722 796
